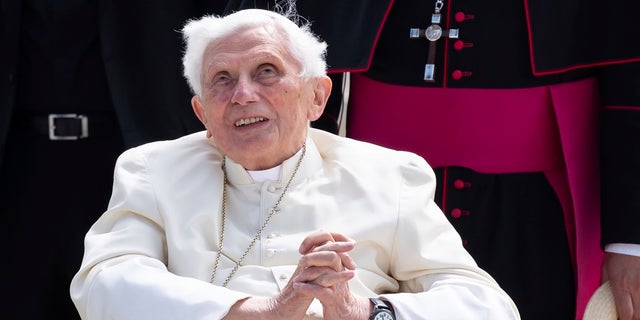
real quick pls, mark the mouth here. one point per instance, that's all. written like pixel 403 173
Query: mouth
pixel 248 121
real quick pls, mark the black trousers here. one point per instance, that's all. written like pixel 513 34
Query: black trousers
pixel 50 194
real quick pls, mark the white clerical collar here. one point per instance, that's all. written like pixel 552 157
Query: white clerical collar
pixel 238 175
pixel 272 174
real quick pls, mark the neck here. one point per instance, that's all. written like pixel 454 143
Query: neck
pixel 252 163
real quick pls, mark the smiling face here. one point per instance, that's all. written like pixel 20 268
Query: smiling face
pixel 253 103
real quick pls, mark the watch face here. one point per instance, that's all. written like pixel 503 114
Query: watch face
pixel 383 315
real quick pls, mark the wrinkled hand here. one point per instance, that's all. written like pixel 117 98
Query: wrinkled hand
pixel 323 273
pixel 326 268
pixel 623 273
pixel 322 264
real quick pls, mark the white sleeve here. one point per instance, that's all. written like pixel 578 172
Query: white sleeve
pixel 439 277
pixel 453 297
pixel 138 288
pixel 124 274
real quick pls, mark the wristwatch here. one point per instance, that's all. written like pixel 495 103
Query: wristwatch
pixel 382 310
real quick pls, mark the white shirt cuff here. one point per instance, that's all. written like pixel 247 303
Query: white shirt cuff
pixel 623 248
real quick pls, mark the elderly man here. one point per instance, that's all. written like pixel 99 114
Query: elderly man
pixel 262 217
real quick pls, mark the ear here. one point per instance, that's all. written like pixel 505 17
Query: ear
pixel 321 92
pixel 198 109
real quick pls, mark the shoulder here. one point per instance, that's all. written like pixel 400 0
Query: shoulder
pixel 356 153
pixel 172 152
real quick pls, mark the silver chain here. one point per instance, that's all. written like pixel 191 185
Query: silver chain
pixel 272 212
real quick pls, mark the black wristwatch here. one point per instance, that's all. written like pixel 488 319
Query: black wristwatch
pixel 382 310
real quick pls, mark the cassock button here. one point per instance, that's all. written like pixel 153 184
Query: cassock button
pixel 457 213
pixel 271 189
pixel 459 45
pixel 459 184
pixel 459 74
pixel 271 253
pixel 461 16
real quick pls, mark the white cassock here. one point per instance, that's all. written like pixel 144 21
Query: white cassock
pixel 151 254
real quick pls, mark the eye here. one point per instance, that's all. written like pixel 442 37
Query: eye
pixel 267 73
pixel 221 79
pixel 267 70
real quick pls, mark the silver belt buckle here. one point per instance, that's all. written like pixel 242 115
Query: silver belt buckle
pixel 84 123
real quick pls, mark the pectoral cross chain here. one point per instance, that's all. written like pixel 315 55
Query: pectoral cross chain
pixel 432 33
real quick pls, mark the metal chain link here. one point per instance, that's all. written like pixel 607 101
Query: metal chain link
pixel 438 6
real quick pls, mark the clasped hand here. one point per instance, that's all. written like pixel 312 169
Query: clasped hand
pixel 323 272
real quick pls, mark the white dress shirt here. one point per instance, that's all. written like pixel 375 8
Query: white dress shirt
pixel 151 254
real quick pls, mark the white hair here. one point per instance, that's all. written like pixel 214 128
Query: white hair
pixel 305 47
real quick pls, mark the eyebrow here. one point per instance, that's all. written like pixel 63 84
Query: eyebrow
pixel 264 57
pixel 267 56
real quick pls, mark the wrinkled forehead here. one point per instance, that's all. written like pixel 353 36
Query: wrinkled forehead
pixel 265 41
pixel 248 37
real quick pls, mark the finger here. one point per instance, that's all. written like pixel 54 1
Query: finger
pixel 321 237
pixel 624 307
pixel 635 304
pixel 325 277
pixel 322 259
pixel 347 261
pixel 314 239
pixel 623 301
pixel 340 237
pixel 341 248
pixel 335 296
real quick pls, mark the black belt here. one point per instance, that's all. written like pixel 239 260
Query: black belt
pixel 71 126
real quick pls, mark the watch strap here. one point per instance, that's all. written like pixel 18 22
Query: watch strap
pixel 379 304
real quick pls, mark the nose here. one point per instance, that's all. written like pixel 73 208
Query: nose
pixel 244 92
